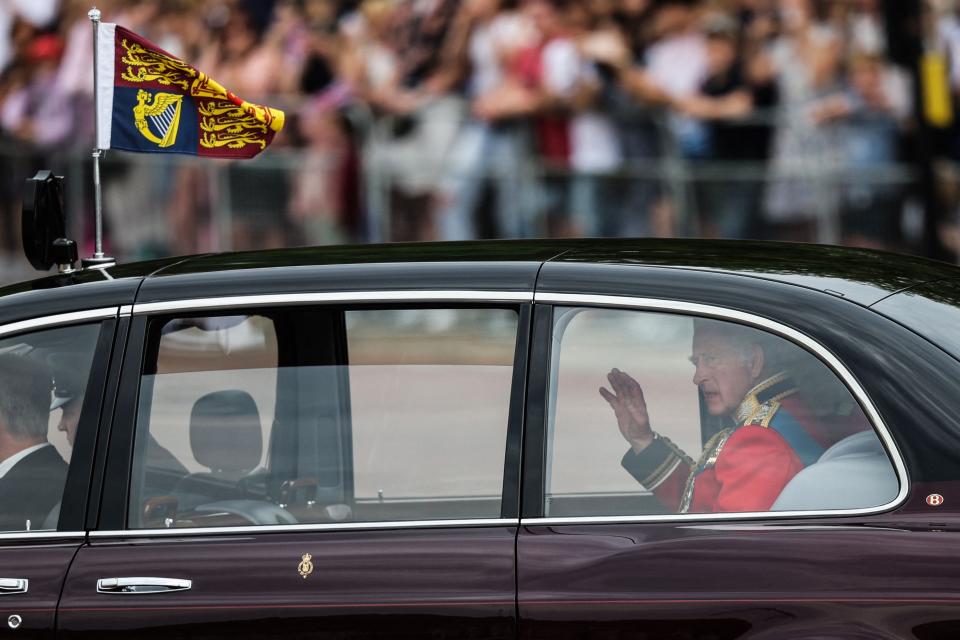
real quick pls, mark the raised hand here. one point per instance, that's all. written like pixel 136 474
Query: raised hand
pixel 630 408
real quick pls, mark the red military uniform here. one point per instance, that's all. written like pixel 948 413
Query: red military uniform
pixel 744 468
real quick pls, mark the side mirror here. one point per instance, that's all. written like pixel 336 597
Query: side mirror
pixel 43 220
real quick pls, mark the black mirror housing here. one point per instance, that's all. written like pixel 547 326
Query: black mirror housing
pixel 42 219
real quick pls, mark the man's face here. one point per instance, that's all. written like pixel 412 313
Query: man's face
pixel 69 418
pixel 723 374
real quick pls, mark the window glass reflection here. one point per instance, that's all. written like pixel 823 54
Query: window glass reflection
pixel 662 413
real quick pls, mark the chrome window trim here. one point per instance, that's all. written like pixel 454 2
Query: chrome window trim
pixel 75 317
pixel 303 528
pixel 444 295
pixel 42 535
pixel 811 345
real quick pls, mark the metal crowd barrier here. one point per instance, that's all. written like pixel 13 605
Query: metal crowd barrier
pixel 147 197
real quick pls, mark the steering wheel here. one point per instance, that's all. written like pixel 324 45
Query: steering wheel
pixel 256 511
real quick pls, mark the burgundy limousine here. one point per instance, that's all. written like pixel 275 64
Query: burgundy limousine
pixel 491 440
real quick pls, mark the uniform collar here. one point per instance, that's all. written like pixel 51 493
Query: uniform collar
pixel 762 401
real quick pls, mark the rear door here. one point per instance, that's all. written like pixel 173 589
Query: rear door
pixel 53 373
pixel 338 469
pixel 618 544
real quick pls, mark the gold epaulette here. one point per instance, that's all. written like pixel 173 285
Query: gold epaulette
pixel 761 403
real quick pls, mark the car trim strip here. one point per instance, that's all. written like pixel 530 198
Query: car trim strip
pixel 336 296
pixel 506 602
pixel 292 528
pixel 693 308
pixel 62 318
pixel 890 601
pixel 824 599
pixel 42 535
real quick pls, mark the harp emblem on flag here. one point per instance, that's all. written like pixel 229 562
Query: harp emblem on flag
pixel 158 120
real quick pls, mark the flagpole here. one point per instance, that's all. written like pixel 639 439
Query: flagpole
pixel 98 257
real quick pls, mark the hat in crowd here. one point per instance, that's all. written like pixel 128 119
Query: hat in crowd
pixel 45 47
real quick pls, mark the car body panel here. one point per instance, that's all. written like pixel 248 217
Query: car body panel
pixel 807 579
pixel 863 276
pixel 44 564
pixel 445 582
pixel 514 277
pixel 860 275
pixel 932 310
pixel 64 294
pixel 478 266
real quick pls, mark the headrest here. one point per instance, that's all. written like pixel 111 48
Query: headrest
pixel 225 433
pixel 862 443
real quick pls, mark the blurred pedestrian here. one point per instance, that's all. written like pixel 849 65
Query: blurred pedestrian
pixel 805 62
pixel 493 143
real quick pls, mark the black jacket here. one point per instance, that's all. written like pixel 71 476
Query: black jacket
pixel 31 489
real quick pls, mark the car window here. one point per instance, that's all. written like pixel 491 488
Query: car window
pixel 43 380
pixel 323 416
pixel 205 410
pixel 429 392
pixel 658 413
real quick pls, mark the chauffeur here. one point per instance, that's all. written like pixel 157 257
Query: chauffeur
pixel 32 473
pixel 742 468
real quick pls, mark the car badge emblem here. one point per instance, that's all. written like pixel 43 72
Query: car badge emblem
pixel 934 499
pixel 305 567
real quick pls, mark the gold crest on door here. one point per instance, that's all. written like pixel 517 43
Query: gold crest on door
pixel 305 567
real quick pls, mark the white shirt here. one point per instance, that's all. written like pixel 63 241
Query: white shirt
pixel 488 44
pixel 593 140
pixel 678 64
pixel 10 462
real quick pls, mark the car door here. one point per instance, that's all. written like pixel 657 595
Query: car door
pixel 332 467
pixel 606 552
pixel 47 454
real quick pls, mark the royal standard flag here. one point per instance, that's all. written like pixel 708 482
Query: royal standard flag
pixel 151 101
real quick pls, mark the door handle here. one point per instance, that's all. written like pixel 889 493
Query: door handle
pixel 13 585
pixel 142 585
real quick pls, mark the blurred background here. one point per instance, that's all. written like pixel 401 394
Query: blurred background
pixel 810 120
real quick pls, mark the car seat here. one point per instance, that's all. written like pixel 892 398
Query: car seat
pixel 855 473
pixel 226 437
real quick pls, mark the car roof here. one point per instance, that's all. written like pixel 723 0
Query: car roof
pixel 863 276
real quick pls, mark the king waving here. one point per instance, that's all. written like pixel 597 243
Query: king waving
pixel 152 102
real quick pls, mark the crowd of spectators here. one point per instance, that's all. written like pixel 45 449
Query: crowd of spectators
pixel 456 119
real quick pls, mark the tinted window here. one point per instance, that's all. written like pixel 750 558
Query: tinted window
pixel 662 413
pixel 43 380
pixel 320 415
pixel 429 392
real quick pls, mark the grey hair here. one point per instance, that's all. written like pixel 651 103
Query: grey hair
pixel 778 353
pixel 25 386
pixel 818 385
